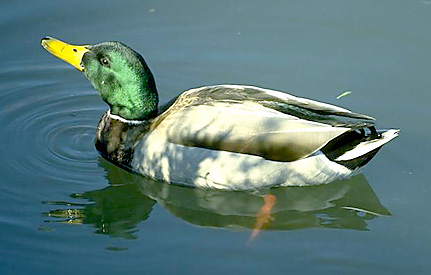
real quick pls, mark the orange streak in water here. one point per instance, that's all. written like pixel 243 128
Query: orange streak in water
pixel 263 215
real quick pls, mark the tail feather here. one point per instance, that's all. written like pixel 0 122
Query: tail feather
pixel 356 148
pixel 368 146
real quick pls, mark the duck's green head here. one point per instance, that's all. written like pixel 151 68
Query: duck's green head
pixel 120 74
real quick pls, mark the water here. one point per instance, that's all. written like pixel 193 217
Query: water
pixel 64 209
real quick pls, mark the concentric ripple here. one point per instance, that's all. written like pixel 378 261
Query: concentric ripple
pixel 48 128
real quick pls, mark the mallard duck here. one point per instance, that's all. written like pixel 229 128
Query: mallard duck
pixel 233 137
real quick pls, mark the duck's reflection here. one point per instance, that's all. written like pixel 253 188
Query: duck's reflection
pixel 117 209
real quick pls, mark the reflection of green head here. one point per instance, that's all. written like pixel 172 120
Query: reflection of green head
pixel 123 79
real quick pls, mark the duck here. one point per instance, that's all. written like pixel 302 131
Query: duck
pixel 231 137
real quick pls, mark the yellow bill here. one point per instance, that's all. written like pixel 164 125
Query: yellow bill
pixel 72 54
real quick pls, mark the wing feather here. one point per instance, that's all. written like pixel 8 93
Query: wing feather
pixel 252 120
pixel 242 128
pixel 272 99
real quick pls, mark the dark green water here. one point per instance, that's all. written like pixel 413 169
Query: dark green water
pixel 65 210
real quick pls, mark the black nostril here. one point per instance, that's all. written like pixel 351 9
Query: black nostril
pixel 46 38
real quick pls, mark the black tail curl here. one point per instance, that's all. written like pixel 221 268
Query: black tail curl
pixel 348 141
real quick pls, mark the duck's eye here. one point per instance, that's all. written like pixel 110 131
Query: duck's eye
pixel 104 61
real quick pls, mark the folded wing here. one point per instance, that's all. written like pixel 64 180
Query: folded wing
pixel 254 121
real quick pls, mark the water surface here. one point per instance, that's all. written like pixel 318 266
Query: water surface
pixel 64 209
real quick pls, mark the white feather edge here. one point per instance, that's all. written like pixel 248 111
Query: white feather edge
pixel 275 93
